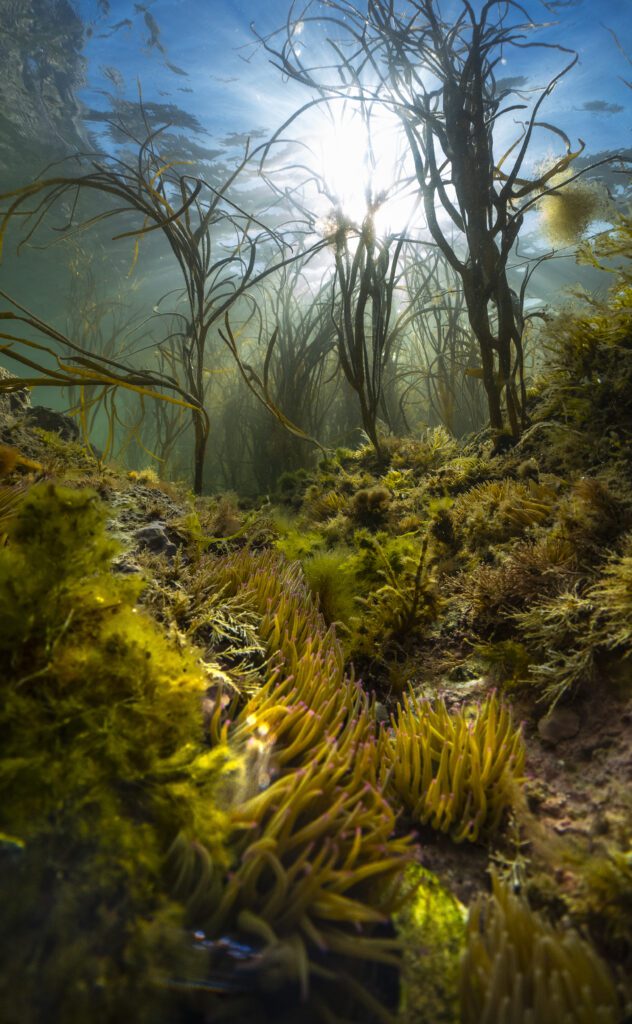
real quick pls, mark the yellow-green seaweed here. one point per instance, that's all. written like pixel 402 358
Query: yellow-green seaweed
pixel 103 765
pixel 431 924
pixel 612 595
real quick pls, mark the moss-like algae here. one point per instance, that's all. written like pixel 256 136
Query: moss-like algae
pixel 432 925
pixel 103 765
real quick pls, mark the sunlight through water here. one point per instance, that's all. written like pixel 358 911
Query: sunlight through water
pixel 360 159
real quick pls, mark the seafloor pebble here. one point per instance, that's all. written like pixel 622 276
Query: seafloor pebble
pixel 559 724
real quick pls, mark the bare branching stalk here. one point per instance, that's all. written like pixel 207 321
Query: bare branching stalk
pixel 367 325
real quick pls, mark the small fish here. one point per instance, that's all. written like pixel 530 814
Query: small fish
pixel 125 23
pixel 232 967
pixel 115 77
pixel 235 950
pixel 176 70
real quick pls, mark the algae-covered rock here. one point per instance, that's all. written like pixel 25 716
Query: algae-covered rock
pixel 432 927
pixel 53 421
pixel 103 765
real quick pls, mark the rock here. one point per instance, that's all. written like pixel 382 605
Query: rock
pixel 463 673
pixel 124 566
pixel 55 422
pixel 12 403
pixel 559 724
pixel 154 538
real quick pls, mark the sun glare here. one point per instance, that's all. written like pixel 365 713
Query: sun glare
pixel 360 165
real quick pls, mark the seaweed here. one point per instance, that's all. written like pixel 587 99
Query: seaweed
pixel 406 600
pixel 559 628
pixel 612 596
pixel 104 764
pixel 432 925
pixel 603 900
pixel 497 510
pixel 331 578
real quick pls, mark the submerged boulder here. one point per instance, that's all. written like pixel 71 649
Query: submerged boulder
pixel 12 403
pixel 55 422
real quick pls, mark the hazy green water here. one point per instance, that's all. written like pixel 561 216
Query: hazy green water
pixel 70 81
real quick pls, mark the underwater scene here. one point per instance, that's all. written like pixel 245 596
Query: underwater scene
pixel 315 512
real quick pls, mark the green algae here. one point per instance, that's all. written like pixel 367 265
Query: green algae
pixel 103 765
pixel 432 926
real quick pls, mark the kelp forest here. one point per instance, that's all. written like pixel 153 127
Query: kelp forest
pixel 315 520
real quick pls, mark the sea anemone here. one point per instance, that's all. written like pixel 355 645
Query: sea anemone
pixel 519 969
pixel 456 772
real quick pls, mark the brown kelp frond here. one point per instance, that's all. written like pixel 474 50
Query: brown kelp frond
pixel 517 968
pixel 80 366
pixel 456 772
pixel 258 386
